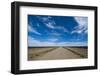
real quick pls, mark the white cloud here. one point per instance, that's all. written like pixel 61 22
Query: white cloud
pixel 77 31
pixel 50 25
pixel 82 21
pixel 46 18
pixel 55 34
pixel 33 42
pixel 62 28
pixel 53 39
pixel 31 29
pixel 36 43
pixel 82 25
pixel 47 21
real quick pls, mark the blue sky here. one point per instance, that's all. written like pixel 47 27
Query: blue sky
pixel 57 30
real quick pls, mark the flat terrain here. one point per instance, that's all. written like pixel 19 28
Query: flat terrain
pixel 53 53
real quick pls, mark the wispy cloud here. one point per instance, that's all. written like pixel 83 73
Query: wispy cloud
pixel 36 43
pixel 53 33
pixel 32 41
pixel 50 25
pixel 46 18
pixel 82 21
pixel 62 28
pixel 52 39
pixel 47 21
pixel 31 29
pixel 82 25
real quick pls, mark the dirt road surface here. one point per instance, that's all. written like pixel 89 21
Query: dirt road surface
pixel 56 53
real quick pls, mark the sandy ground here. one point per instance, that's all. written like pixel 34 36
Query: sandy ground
pixel 56 53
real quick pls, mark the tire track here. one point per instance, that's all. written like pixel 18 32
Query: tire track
pixel 32 56
pixel 82 56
